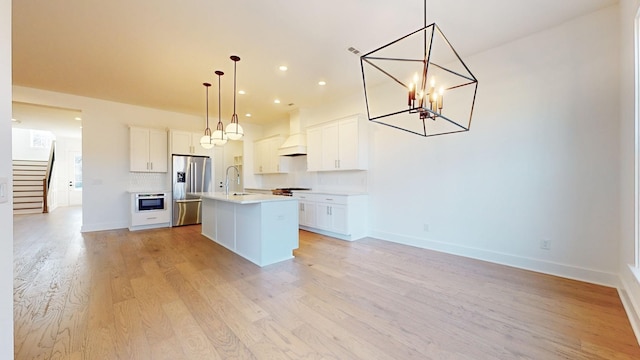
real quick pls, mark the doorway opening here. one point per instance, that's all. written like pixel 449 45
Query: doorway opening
pixel 47 157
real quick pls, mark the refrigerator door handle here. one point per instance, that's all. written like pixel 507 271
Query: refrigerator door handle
pixel 193 178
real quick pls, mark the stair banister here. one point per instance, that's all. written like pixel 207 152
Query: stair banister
pixel 46 182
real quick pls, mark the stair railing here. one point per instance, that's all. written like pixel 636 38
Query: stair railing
pixel 46 182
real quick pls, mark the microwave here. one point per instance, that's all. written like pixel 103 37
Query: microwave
pixel 150 202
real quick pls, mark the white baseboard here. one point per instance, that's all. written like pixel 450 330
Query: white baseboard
pixel 328 233
pixel 537 265
pixel 630 295
pixel 103 226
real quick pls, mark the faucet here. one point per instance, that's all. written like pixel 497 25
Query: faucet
pixel 226 179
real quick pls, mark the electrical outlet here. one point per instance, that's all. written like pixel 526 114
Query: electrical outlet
pixel 545 244
pixel 425 227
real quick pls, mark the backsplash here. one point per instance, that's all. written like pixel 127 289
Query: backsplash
pixel 139 181
pixel 298 176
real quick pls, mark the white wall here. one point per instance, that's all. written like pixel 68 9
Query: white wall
pixel 631 286
pixel 540 162
pixel 6 211
pixel 22 150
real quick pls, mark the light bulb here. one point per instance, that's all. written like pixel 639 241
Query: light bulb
pixel 218 138
pixel 234 131
pixel 206 142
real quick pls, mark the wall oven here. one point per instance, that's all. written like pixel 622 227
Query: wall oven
pixel 150 202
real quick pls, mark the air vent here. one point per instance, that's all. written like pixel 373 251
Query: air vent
pixel 353 50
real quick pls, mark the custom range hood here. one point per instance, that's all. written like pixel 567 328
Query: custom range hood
pixel 296 143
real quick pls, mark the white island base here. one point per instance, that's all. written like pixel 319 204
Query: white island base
pixel 261 228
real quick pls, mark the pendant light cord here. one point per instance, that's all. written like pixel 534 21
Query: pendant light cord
pixel 207 130
pixel 234 117
pixel 235 63
pixel 219 126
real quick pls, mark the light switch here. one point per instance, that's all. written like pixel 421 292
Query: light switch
pixel 4 190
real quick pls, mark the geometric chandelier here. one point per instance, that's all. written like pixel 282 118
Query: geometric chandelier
pixel 418 83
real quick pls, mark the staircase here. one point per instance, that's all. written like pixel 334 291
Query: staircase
pixel 27 186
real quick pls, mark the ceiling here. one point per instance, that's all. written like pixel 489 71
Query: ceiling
pixel 158 54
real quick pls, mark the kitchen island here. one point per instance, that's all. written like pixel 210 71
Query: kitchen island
pixel 261 228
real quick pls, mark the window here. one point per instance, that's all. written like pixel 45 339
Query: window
pixel 77 172
pixel 41 139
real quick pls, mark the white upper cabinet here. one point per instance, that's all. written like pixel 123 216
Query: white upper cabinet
pixel 338 145
pixel 147 150
pixel 187 143
pixel 266 159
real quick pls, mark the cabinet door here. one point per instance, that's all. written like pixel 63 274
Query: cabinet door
pixel 339 221
pixel 302 217
pixel 258 157
pixel 348 144
pixel 314 149
pixel 277 164
pixel 307 212
pixel 158 151
pixel 181 143
pixel 270 156
pixel 138 149
pixel 323 216
pixel 266 159
pixel 197 148
pixel 330 147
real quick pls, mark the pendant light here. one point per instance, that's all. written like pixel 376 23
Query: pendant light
pixel 234 130
pixel 205 141
pixel 219 137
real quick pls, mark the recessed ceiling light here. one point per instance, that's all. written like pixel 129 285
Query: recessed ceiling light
pixel 78 118
pixel 283 68
pixel 276 101
pixel 247 115
pixel 322 83
pixel 14 120
pixel 241 92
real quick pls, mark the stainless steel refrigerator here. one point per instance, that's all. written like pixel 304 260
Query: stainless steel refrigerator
pixel 190 174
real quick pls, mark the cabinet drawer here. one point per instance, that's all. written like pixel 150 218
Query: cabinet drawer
pixel 332 199
pixel 322 198
pixel 150 217
pixel 306 197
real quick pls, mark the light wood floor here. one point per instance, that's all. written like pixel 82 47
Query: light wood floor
pixel 173 294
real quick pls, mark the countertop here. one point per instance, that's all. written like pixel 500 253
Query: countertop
pixel 321 192
pixel 148 191
pixel 257 189
pixel 243 199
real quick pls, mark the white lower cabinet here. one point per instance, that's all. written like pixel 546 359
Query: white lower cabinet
pixel 306 212
pixel 142 220
pixel 332 217
pixel 337 215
